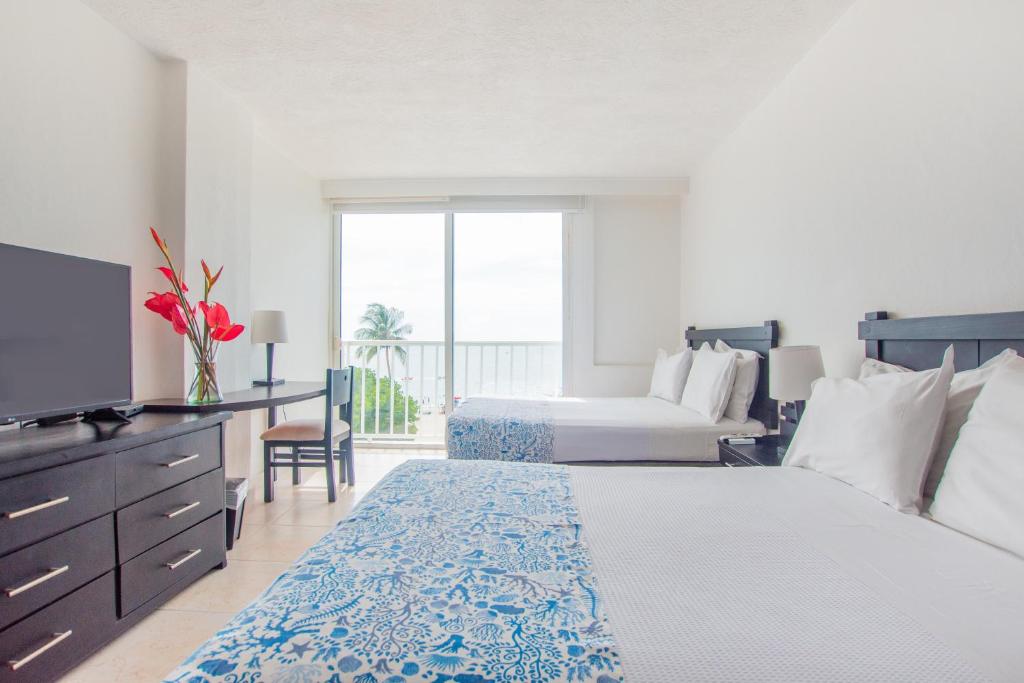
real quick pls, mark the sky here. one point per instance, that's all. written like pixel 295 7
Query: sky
pixel 508 273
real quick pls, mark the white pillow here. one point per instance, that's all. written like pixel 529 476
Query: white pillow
pixel 980 493
pixel 710 382
pixel 670 375
pixel 876 434
pixel 963 391
pixel 872 368
pixel 745 383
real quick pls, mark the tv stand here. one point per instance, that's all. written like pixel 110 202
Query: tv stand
pixel 130 516
pixel 105 415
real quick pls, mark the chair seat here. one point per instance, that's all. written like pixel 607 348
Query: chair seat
pixel 305 430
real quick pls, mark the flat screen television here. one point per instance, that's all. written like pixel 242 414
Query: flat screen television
pixel 65 334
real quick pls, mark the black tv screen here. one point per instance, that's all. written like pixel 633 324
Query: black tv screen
pixel 65 334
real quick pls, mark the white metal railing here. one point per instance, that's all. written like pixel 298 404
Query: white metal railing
pixel 416 381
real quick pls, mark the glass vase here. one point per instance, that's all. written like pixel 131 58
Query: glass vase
pixel 205 388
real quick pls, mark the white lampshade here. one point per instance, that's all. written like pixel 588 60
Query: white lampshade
pixel 268 327
pixel 792 370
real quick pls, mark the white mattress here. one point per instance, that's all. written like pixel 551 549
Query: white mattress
pixel 640 428
pixel 783 575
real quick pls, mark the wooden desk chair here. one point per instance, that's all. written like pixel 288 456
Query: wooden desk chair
pixel 312 442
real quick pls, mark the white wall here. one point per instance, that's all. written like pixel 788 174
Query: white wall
pixel 624 269
pixel 290 271
pixel 82 124
pixel 883 173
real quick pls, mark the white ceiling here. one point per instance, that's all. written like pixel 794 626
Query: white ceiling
pixel 486 88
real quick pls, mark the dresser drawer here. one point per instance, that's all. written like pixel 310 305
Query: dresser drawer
pixel 51 641
pixel 44 503
pixel 148 469
pixel 184 557
pixel 41 573
pixel 155 519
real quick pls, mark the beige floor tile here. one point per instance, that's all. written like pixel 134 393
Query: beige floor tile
pixel 150 650
pixel 318 512
pixel 229 589
pixel 275 543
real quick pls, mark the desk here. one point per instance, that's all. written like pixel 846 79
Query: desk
pixel 246 399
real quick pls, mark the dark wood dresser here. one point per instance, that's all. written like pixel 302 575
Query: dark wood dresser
pixel 99 526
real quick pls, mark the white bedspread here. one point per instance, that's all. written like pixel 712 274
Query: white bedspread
pixel 641 428
pixel 783 575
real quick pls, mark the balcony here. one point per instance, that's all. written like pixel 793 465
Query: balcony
pixel 399 391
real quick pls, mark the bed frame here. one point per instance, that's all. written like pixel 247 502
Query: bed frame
pixel 761 339
pixel 918 343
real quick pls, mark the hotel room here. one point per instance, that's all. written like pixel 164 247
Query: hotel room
pixel 430 342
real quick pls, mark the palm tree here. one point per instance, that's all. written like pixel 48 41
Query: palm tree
pixel 384 323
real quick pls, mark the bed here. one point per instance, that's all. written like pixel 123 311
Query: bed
pixel 623 429
pixel 475 571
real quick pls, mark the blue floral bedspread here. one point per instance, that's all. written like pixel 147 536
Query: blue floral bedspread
pixel 501 429
pixel 449 571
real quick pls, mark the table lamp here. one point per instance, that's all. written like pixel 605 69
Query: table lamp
pixel 268 327
pixel 792 371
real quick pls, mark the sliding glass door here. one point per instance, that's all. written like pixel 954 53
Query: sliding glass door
pixel 507 304
pixel 439 306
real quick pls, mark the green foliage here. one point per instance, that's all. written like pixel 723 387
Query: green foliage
pixel 386 387
pixel 380 322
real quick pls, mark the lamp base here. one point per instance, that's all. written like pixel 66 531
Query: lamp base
pixel 267 382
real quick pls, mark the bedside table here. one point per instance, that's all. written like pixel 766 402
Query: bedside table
pixel 764 453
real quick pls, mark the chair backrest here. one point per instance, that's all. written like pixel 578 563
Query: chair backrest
pixel 339 393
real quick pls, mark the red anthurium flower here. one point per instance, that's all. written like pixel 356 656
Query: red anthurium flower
pixel 162 303
pixel 219 322
pixel 178 320
pixel 169 274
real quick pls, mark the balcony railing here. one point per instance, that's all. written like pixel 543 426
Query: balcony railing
pixel 400 385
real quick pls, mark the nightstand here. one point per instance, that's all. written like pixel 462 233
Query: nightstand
pixel 764 453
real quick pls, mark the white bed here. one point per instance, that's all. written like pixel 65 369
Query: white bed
pixel 586 430
pixel 634 429
pixel 783 574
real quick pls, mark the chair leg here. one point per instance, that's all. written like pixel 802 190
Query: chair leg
pixel 296 480
pixel 350 464
pixel 268 475
pixel 274 472
pixel 332 494
pixel 340 465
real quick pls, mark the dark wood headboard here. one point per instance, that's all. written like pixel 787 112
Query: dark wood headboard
pixel 762 339
pixel 918 343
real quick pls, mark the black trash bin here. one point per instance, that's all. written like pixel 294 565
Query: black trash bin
pixel 234 507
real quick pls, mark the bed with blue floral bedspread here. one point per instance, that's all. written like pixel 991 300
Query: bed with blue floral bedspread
pixel 467 572
pixel 502 429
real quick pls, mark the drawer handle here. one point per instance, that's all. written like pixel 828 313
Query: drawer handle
pixel 15 664
pixel 191 553
pixel 181 460
pixel 52 574
pixel 37 508
pixel 182 510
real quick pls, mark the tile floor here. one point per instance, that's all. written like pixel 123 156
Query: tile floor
pixel 273 536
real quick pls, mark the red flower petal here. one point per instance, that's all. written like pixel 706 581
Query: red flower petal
pixel 226 334
pixel 178 320
pixel 169 274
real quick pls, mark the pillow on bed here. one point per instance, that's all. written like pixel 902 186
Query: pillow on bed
pixel 670 375
pixel 877 434
pixel 980 492
pixel 964 390
pixel 710 382
pixel 871 368
pixel 745 383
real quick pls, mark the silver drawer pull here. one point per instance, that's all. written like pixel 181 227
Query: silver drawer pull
pixel 15 664
pixel 37 508
pixel 181 460
pixel 182 510
pixel 191 553
pixel 52 574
